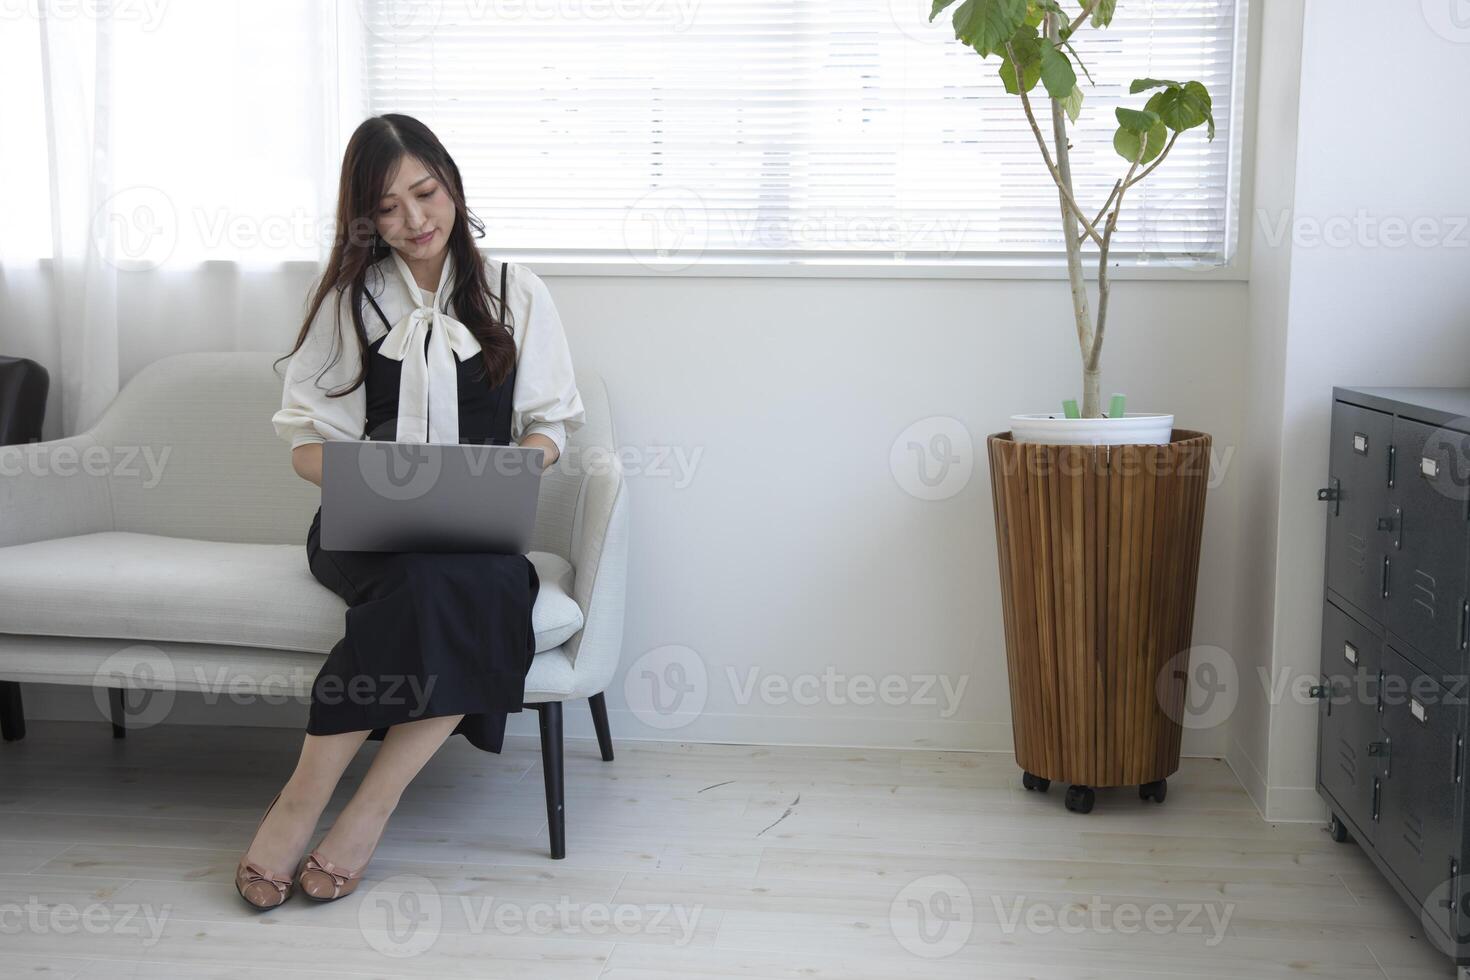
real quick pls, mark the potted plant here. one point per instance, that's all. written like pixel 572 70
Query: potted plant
pixel 1098 515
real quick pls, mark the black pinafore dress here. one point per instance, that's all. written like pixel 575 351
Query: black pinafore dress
pixel 428 633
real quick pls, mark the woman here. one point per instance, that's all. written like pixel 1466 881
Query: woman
pixel 411 336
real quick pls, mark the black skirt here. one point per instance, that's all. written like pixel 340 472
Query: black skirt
pixel 428 634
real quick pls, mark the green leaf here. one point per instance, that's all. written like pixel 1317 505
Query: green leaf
pixel 986 25
pixel 1144 84
pixel 1102 12
pixel 1025 45
pixel 1030 75
pixel 1184 107
pixel 1073 104
pixel 1137 120
pixel 1129 142
pixel 1056 71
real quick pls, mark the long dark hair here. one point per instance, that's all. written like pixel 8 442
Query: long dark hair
pixel 373 154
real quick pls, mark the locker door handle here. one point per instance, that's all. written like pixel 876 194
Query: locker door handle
pixel 1464 623
pixel 1332 494
pixel 1385 576
pixel 1396 525
pixel 1383 751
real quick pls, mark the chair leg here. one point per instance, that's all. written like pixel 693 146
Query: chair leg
pixel 599 722
pixel 12 712
pixel 551 765
pixel 119 712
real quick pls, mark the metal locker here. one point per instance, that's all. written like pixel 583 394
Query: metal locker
pixel 1351 661
pixel 1420 774
pixel 1357 495
pixel 1427 599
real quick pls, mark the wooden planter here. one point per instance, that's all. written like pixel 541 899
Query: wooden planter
pixel 1099 556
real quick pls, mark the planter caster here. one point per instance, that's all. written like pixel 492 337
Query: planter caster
pixel 1337 830
pixel 1032 782
pixel 1155 791
pixel 1080 799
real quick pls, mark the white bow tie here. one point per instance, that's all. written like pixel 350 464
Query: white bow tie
pixel 428 387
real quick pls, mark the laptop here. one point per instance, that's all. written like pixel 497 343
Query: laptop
pixel 402 496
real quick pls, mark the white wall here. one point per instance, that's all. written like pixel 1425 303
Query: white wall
pixel 1277 40
pixel 794 550
pixel 1374 148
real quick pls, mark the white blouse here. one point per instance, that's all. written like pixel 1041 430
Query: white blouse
pixel 545 398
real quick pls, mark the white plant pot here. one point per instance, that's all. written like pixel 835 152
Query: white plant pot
pixel 1134 428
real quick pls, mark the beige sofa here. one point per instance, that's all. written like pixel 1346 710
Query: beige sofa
pixel 145 553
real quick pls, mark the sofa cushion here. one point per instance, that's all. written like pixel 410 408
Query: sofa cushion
pixel 119 584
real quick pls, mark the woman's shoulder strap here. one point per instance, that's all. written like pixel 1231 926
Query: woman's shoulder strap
pixel 381 315
pixel 503 267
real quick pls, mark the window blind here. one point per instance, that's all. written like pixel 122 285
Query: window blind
pixel 766 127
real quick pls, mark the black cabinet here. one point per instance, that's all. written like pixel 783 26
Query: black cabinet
pixel 1419 781
pixel 1395 657
pixel 1426 597
pixel 1351 670
pixel 1358 491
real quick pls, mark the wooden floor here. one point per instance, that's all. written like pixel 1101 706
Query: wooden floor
pixel 684 862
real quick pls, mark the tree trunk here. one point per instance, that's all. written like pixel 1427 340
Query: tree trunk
pixel 1072 236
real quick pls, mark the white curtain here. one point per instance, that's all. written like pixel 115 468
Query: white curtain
pixel 177 168
pixel 76 84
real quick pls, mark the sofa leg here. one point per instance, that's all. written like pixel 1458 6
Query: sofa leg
pixel 12 712
pixel 599 722
pixel 119 712
pixel 551 765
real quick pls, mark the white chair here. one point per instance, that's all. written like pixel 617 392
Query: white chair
pixel 140 554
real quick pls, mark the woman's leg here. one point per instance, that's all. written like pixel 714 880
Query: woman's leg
pixel 283 836
pixel 406 748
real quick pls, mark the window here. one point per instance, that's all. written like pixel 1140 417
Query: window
pixel 767 128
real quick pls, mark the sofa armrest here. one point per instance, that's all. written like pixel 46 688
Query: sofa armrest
pixel 600 573
pixel 55 489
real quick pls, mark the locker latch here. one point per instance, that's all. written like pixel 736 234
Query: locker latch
pixel 1318 692
pixel 1333 494
pixel 1384 751
pixel 1394 524
pixel 1378 748
pixel 1377 792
